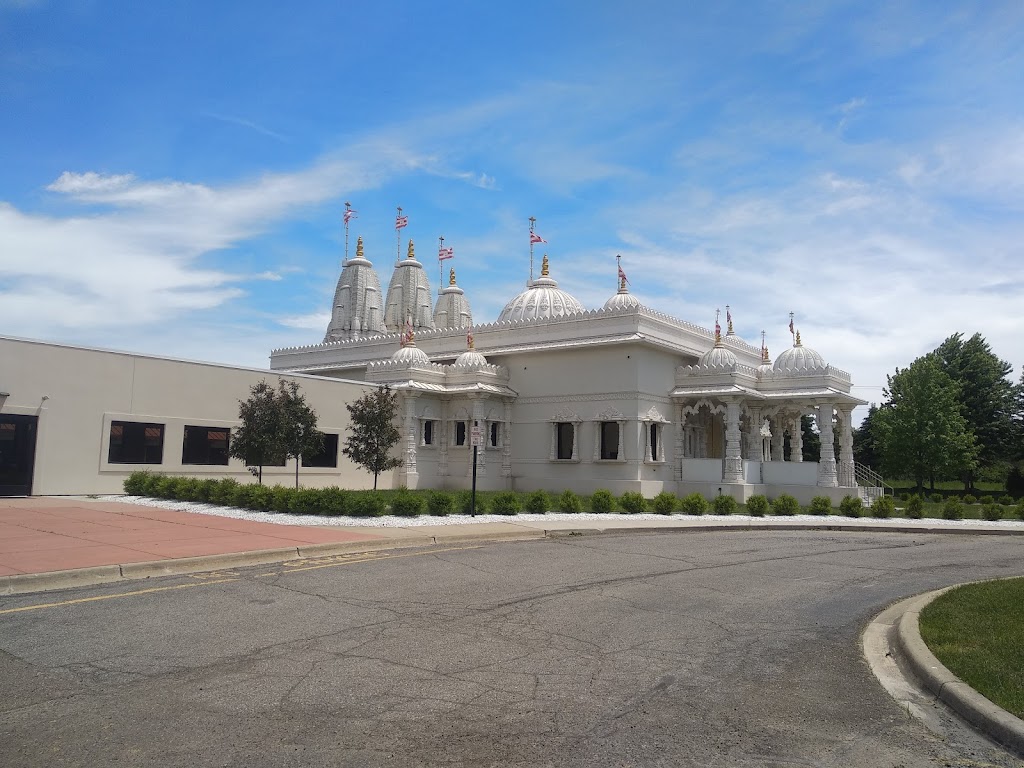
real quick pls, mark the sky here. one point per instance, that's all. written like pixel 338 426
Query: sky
pixel 173 175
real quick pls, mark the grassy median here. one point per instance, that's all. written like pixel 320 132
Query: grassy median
pixel 977 631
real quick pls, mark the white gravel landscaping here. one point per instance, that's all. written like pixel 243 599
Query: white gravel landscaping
pixel 393 521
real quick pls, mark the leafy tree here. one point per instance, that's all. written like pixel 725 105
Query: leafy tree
pixel 921 432
pixel 986 397
pixel 866 449
pixel 299 435
pixel 373 431
pixel 258 441
pixel 811 439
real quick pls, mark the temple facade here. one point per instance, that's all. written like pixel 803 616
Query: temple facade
pixel 553 395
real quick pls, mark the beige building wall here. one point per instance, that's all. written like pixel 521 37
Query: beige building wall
pixel 76 393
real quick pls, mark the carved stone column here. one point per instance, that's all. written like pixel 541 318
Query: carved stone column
pixel 411 475
pixel 506 440
pixel 754 434
pixel 847 473
pixel 733 460
pixel 778 438
pixel 827 465
pixel 796 440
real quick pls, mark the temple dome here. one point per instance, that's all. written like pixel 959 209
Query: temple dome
pixel 410 354
pixel 623 299
pixel 800 359
pixel 452 308
pixel 358 306
pixel 542 300
pixel 717 357
pixel 408 295
pixel 470 359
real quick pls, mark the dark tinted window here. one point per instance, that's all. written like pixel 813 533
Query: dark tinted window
pixel 205 445
pixel 609 439
pixel 565 434
pixel 328 455
pixel 132 442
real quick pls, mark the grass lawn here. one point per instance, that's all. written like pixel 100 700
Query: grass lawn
pixel 977 631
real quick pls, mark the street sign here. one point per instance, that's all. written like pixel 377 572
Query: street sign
pixel 476 436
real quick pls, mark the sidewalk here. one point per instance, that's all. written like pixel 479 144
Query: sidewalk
pixel 51 543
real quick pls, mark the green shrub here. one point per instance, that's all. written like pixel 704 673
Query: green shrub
pixel 570 503
pixel 165 487
pixel 723 504
pixel 1020 509
pixel 406 504
pixel 693 504
pixel 1007 500
pixel 135 484
pixel 936 498
pixel 205 489
pixel 281 498
pixel 665 503
pixel 464 503
pixel 366 504
pixel 223 491
pixel 331 501
pixel 883 506
pixel 992 511
pixel 758 505
pixel 969 499
pixel 987 500
pixel 440 503
pixel 537 503
pixel 904 497
pixel 786 505
pixel 602 502
pixel 252 496
pixel 189 489
pixel 304 501
pixel 820 505
pixel 851 506
pixel 915 507
pixel 633 502
pixel 953 509
pixel 506 503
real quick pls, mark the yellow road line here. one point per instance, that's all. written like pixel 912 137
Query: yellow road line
pixel 207 581
pixel 111 597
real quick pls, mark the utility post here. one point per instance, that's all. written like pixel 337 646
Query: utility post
pixel 477 437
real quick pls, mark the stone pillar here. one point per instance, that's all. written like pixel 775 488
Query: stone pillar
pixel 411 434
pixel 754 434
pixel 733 460
pixel 847 474
pixel 506 440
pixel 778 439
pixel 827 465
pixel 796 440
pixel 481 454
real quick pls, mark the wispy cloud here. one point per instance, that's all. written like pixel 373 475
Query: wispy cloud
pixel 239 121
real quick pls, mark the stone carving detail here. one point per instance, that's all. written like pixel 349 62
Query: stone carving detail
pixel 610 414
pixel 566 414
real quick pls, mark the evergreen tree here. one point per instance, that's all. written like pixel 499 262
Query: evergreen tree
pixel 258 441
pixel 921 432
pixel 373 431
pixel 986 397
pixel 811 439
pixel 299 435
pixel 865 440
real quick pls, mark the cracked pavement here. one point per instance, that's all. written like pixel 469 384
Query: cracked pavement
pixel 695 649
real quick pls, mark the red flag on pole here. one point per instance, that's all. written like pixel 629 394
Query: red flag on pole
pixel 622 275
pixel 349 215
pixel 445 253
pixel 535 238
pixel 401 221
pixel 791 325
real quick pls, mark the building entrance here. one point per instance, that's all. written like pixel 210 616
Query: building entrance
pixel 17 454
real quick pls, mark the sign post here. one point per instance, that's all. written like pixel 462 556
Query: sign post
pixel 477 438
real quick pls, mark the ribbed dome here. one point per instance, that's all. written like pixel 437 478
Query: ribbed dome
pixel 541 300
pixel 470 359
pixel 408 295
pixel 800 359
pixel 452 308
pixel 411 354
pixel 622 300
pixel 717 357
pixel 358 305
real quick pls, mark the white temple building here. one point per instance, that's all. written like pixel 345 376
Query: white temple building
pixel 622 397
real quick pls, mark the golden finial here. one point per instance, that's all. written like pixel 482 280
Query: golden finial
pixel 412 254
pixel 764 350
pixel 359 248
pixel 544 266
pixel 451 277
pixel 469 338
pixel 798 344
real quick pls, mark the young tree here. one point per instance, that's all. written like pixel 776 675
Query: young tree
pixel 986 397
pixel 299 435
pixel 921 432
pixel 373 431
pixel 865 440
pixel 258 441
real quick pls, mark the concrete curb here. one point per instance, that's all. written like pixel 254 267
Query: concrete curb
pixel 995 721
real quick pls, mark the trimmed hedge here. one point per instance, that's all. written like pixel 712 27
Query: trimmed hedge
pixel 723 505
pixel 883 506
pixel 665 503
pixel 758 505
pixel 851 506
pixel 786 505
pixel 506 503
pixel 820 505
pixel 694 504
pixel 633 502
pixel 915 507
pixel 602 502
pixel 570 503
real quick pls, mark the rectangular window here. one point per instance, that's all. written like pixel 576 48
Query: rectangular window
pixel 327 456
pixel 460 433
pixel 132 442
pixel 654 447
pixel 428 433
pixel 494 434
pixel 565 432
pixel 610 440
pixel 205 445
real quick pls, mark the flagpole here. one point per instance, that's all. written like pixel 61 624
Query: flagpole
pixel 533 223
pixel 348 207
pixel 618 272
pixel 398 237
pixel 440 264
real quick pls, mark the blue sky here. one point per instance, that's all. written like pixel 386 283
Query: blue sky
pixel 172 176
